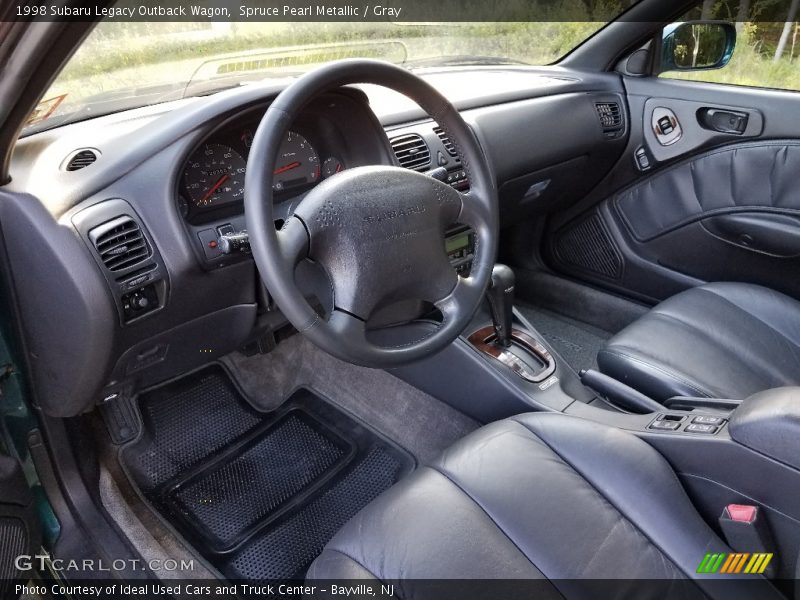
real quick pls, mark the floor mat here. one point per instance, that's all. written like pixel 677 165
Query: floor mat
pixel 258 494
pixel 576 342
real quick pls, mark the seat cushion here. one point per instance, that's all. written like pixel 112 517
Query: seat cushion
pixel 542 496
pixel 721 340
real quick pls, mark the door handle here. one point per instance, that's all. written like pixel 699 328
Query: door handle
pixel 723 120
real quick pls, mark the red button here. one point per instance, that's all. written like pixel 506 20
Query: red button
pixel 212 244
pixel 742 513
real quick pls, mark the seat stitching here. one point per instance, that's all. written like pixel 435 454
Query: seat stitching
pixel 601 495
pixel 531 436
pixel 655 367
pixel 600 547
pixel 720 344
pixel 492 519
pixel 485 512
pixel 355 560
pixel 482 509
pixel 675 478
pixel 791 342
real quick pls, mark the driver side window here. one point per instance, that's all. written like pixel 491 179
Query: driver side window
pixel 767 50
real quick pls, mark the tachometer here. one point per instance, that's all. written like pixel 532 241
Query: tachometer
pixel 215 175
pixel 297 163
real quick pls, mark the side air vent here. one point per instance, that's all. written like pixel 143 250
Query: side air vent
pixel 610 116
pixel 81 160
pixel 411 151
pixel 448 143
pixel 120 243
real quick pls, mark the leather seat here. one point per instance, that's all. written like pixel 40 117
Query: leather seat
pixel 721 340
pixel 540 496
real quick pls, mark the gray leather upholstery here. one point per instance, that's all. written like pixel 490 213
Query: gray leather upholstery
pixel 728 179
pixel 540 495
pixel 721 340
pixel 769 423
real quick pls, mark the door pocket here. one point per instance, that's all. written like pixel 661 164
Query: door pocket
pixel 763 232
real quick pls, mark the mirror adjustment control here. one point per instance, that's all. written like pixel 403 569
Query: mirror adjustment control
pixel 139 302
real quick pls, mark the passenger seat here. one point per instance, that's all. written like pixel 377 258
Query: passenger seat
pixel 720 340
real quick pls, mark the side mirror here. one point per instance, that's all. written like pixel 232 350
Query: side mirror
pixel 697 45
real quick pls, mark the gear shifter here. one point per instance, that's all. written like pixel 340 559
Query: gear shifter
pixel 517 349
pixel 501 303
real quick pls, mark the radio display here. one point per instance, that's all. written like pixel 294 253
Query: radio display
pixel 456 242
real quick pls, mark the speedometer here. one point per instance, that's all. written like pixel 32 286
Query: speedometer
pixel 215 175
pixel 297 163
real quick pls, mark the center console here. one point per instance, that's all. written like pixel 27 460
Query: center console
pixel 500 366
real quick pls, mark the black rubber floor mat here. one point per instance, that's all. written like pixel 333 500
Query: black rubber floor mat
pixel 258 494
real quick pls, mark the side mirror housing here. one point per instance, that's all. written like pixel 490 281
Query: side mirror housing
pixel 697 45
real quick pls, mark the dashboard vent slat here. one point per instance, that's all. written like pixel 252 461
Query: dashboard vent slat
pixel 610 115
pixel 120 243
pixel 411 151
pixel 81 160
pixel 448 143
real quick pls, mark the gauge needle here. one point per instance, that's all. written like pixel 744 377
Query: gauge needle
pixel 285 168
pixel 216 186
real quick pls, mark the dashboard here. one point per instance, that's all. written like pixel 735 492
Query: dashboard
pixel 129 243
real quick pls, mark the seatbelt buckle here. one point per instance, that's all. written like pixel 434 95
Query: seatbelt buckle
pixel 747 532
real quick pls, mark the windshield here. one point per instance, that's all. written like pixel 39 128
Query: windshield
pixel 122 65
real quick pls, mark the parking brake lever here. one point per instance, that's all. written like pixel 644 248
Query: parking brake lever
pixel 619 393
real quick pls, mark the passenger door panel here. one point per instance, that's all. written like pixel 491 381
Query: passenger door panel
pixel 694 122
pixel 721 201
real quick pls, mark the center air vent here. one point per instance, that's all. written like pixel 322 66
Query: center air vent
pixel 120 243
pixel 81 159
pixel 610 115
pixel 448 143
pixel 411 151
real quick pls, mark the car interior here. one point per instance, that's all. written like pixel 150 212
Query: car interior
pixel 398 326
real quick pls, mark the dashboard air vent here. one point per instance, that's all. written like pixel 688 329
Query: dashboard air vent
pixel 411 151
pixel 448 143
pixel 120 243
pixel 610 115
pixel 81 160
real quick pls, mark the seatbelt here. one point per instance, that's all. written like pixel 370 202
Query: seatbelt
pixel 747 532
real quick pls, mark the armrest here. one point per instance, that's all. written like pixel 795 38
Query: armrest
pixel 769 422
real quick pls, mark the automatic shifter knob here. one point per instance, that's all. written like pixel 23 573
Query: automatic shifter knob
pixel 501 302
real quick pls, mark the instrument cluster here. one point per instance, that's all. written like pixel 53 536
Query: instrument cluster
pixel 212 179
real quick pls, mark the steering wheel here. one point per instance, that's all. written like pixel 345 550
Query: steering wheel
pixel 377 231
